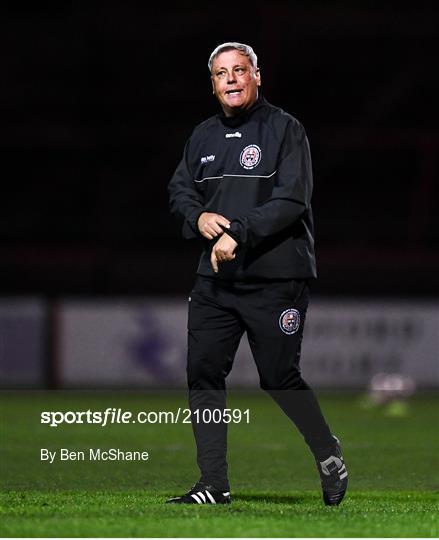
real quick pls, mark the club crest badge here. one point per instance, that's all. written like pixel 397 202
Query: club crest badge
pixel 289 321
pixel 250 156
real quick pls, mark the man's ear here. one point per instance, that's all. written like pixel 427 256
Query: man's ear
pixel 258 76
pixel 213 85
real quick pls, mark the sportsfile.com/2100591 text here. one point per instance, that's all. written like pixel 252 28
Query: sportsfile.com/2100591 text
pixel 113 415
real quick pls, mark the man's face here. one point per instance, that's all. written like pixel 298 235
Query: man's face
pixel 235 81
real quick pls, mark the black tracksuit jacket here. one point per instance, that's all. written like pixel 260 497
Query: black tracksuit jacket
pixel 255 170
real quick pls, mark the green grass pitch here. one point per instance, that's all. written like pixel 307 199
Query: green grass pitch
pixel 392 459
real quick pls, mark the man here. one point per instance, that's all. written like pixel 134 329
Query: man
pixel 244 185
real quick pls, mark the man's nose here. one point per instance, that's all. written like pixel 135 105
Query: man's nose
pixel 231 78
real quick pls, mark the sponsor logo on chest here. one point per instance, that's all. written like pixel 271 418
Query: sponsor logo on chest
pixel 206 159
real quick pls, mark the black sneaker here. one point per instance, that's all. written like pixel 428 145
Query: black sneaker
pixel 334 476
pixel 202 493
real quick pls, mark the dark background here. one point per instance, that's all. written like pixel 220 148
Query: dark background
pixel 97 102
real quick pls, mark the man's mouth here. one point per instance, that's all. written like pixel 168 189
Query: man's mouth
pixel 233 92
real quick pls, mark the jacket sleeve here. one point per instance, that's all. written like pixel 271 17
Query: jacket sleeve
pixel 186 203
pixel 290 197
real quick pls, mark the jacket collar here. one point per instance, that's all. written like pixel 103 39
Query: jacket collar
pixel 240 118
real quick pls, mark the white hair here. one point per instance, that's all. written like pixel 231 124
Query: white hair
pixel 234 45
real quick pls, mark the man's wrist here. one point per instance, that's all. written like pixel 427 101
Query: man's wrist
pixel 199 216
pixel 196 218
pixel 234 232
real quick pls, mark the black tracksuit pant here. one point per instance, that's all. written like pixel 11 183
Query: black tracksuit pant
pixel 273 315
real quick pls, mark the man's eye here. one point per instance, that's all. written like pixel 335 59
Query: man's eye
pixel 220 74
pixel 240 69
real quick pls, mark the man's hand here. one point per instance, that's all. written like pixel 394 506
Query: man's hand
pixel 209 224
pixel 223 251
